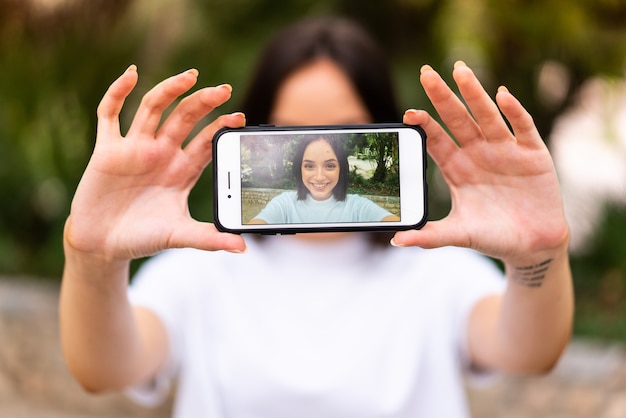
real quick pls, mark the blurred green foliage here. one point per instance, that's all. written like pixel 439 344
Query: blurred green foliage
pixel 600 279
pixel 58 57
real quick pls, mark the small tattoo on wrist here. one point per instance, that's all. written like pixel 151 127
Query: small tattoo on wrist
pixel 533 275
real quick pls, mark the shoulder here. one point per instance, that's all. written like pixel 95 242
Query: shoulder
pixel 284 198
pixel 357 200
pixel 288 195
pixel 174 259
pixel 183 265
pixel 176 270
pixel 466 274
pixel 461 256
pixel 451 264
pixel 178 280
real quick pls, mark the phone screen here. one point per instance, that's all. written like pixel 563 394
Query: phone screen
pixel 322 178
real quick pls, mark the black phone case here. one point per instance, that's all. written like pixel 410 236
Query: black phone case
pixel 318 228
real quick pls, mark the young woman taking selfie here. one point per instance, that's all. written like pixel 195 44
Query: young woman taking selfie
pixel 314 325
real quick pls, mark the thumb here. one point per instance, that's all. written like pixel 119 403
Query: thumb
pixel 434 234
pixel 205 236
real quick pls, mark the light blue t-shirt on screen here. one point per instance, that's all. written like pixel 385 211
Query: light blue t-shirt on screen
pixel 286 208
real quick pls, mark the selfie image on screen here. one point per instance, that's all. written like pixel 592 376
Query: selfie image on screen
pixel 320 178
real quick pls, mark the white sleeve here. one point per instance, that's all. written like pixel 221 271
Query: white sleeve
pixel 481 278
pixel 157 287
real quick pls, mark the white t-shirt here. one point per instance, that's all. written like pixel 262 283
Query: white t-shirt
pixel 286 208
pixel 306 329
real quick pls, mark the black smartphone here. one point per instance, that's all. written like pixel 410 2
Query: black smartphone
pixel 292 179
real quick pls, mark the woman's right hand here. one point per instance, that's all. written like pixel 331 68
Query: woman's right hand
pixel 132 199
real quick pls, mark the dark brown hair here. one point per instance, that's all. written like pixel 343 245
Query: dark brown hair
pixel 340 40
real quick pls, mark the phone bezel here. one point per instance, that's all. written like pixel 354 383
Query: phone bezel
pixel 227 181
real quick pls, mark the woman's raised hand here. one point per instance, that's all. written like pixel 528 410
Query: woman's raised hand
pixel 132 199
pixel 506 201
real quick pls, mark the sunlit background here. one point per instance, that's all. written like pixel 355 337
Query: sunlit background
pixel 564 59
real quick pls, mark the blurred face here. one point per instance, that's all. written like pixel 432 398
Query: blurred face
pixel 319 93
pixel 320 169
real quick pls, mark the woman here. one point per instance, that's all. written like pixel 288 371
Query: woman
pixel 320 168
pixel 319 324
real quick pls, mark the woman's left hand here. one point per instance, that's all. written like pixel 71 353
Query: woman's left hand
pixel 506 201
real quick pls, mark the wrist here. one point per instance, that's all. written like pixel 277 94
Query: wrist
pixel 91 264
pixel 552 244
pixel 532 269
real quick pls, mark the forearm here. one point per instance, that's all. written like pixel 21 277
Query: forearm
pixel 529 327
pixel 99 334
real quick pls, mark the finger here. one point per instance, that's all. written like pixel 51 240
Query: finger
pixel 200 149
pixel 439 144
pixel 434 234
pixel 449 107
pixel 154 102
pixel 521 121
pixel 483 108
pixel 204 236
pixel 191 109
pixel 112 102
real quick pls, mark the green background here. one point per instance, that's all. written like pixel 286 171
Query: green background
pixel 58 57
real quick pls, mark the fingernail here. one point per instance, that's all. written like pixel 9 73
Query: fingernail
pixel 460 63
pixel 226 86
pixel 412 111
pixel 193 72
pixel 245 250
pixel 132 67
pixel 238 114
pixel 395 244
pixel 503 89
pixel 425 68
